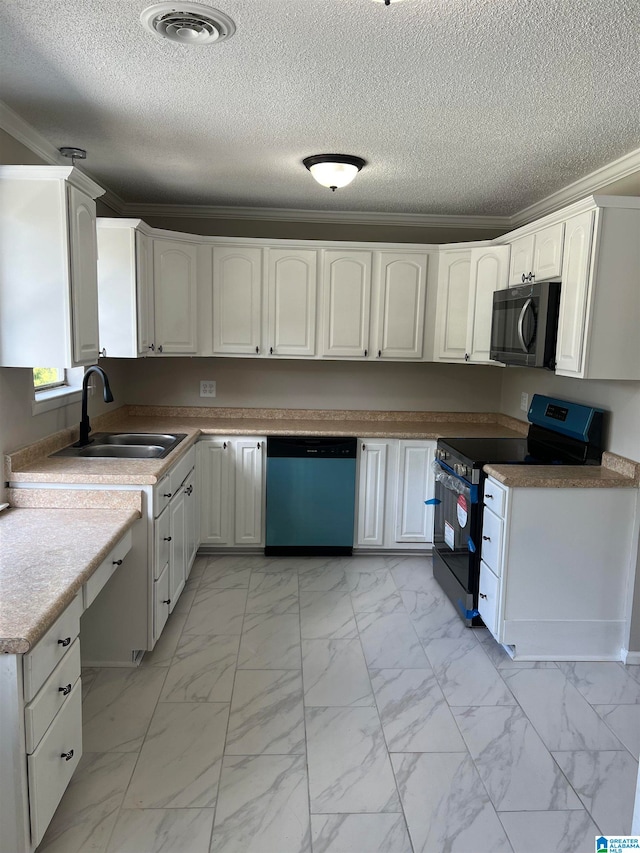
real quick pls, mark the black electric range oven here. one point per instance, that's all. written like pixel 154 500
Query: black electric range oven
pixel 560 433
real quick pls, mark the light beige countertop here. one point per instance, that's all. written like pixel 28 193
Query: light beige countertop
pixel 615 472
pixel 46 555
pixel 34 465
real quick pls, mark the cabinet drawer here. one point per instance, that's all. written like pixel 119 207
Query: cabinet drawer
pixel 52 696
pixel 51 766
pixel 161 495
pixel 489 598
pixel 495 497
pixel 104 571
pixel 492 541
pixel 40 662
pixel 160 605
pixel 162 539
pixel 180 471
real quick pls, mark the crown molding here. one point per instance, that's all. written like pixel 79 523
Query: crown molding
pixel 590 184
pixel 17 127
pixel 26 134
pixel 347 217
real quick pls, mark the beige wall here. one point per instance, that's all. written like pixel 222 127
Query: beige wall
pixel 258 383
pixel 620 399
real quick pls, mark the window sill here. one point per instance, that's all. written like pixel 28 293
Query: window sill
pixel 55 398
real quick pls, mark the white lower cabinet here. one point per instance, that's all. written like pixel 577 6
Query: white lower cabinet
pixel 555 570
pixel 231 490
pixel 52 764
pixel 161 601
pixel 488 597
pixel 177 548
pixel 394 481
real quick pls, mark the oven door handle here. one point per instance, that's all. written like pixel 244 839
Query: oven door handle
pixel 523 311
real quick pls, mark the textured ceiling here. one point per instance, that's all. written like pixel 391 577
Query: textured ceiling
pixel 459 106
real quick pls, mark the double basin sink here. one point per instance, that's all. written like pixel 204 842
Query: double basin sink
pixel 125 445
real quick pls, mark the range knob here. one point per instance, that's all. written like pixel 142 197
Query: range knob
pixel 443 455
pixel 461 470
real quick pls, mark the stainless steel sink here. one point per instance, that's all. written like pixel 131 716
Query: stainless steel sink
pixel 125 445
pixel 123 451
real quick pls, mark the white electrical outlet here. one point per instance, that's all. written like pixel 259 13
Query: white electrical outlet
pixel 207 388
pixel 524 402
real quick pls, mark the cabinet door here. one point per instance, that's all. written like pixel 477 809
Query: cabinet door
pixel 489 599
pixel 402 294
pixel 372 480
pixel 489 269
pixel 237 294
pixel 161 603
pixel 144 295
pixel 414 520
pixel 162 537
pixel 454 288
pixel 248 474
pixel 84 276
pixel 178 548
pixel 346 287
pixel 192 527
pixel 574 294
pixel 292 301
pixel 216 508
pixel 547 253
pixel 521 263
pixel 176 297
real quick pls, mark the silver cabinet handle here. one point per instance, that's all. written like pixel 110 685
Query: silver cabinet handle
pixel 523 311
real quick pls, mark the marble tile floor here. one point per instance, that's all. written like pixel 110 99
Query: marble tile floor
pixel 315 705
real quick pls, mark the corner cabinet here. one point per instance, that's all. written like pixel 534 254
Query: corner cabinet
pixel 148 291
pixel 395 479
pixel 230 478
pixel 467 281
pixel 48 276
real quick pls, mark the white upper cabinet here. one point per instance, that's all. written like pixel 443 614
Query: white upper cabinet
pixel 125 289
pixel 466 284
pixel 402 288
pixel 489 267
pixel 292 275
pixel 176 296
pixel 574 292
pixel 600 293
pixel 452 322
pixel 237 300
pixel 346 287
pixel 537 256
pixel 48 273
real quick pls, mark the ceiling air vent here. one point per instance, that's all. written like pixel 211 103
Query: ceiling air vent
pixel 187 23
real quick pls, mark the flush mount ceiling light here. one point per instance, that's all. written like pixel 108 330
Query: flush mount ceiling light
pixel 334 170
pixel 187 23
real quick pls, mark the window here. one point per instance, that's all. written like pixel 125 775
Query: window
pixel 48 377
pixel 55 387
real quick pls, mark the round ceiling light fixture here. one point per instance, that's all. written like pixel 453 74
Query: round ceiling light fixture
pixel 334 170
pixel 187 23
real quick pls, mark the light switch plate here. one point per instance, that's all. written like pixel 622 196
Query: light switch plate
pixel 524 402
pixel 207 388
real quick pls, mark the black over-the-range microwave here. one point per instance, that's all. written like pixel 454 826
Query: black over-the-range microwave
pixel 524 324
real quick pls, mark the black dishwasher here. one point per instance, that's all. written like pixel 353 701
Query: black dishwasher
pixel 311 488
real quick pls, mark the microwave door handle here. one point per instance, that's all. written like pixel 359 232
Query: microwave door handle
pixel 523 311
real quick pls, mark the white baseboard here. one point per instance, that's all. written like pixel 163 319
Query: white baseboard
pixel 628 657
